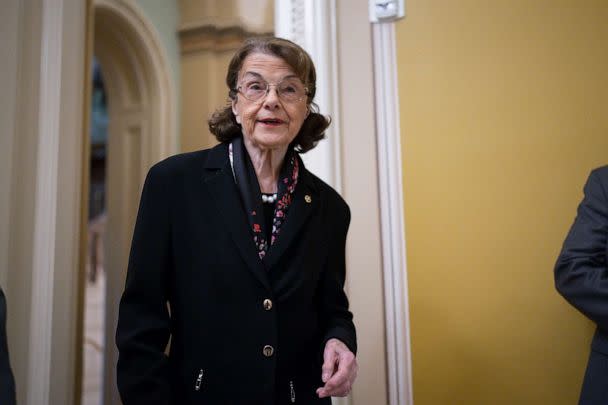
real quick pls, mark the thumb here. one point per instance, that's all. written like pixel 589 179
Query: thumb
pixel 329 362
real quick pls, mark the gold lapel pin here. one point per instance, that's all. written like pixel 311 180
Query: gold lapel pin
pixel 308 198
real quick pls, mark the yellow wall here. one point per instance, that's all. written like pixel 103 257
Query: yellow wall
pixel 504 110
pixel 203 91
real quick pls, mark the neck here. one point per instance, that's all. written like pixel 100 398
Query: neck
pixel 267 164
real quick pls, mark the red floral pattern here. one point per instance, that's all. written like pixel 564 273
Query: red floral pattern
pixel 280 211
pixel 287 186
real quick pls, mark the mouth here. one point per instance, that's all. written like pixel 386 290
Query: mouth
pixel 273 122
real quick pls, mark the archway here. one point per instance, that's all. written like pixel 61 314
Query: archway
pixel 141 131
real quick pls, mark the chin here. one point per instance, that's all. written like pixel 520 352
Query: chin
pixel 272 141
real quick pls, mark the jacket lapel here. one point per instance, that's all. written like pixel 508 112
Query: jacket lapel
pixel 220 181
pixel 305 201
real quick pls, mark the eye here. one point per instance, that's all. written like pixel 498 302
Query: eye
pixel 255 86
pixel 291 87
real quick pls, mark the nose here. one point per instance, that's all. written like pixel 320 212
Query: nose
pixel 272 97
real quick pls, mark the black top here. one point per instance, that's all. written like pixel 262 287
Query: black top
pixel 268 217
pixel 192 250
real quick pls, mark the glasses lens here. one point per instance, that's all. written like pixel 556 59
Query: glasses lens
pixel 254 89
pixel 291 90
pixel 288 90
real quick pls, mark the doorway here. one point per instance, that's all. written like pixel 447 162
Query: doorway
pixel 138 96
pixel 95 291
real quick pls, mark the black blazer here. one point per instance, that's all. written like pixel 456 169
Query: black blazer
pixel 581 276
pixel 243 330
pixel 7 382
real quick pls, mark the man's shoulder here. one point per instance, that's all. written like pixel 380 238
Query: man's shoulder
pixel 601 172
pixel 598 178
pixel 2 301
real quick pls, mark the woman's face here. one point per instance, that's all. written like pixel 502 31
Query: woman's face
pixel 270 122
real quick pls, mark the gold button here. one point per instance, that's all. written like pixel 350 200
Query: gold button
pixel 268 350
pixel 267 304
pixel 308 198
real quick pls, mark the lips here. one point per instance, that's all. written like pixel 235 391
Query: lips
pixel 271 121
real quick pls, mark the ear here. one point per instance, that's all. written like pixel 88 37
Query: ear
pixel 235 111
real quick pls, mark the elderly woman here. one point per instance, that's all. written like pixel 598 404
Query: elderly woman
pixel 238 256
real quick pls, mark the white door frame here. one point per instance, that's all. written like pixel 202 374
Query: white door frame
pixel 392 215
pixel 45 197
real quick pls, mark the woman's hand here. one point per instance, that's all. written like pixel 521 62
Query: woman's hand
pixel 339 370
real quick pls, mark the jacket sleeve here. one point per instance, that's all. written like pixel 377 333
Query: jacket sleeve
pixel 581 275
pixel 337 319
pixel 143 321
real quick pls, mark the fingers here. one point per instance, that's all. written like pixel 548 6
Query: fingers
pixel 340 382
pixel 337 385
pixel 341 391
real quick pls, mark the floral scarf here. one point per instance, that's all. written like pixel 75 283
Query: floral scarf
pixel 251 196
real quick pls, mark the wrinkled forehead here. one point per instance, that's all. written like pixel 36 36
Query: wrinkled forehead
pixel 249 76
pixel 267 66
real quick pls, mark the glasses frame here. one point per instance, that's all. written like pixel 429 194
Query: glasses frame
pixel 306 92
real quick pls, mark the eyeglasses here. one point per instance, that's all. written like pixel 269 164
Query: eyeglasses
pixel 289 90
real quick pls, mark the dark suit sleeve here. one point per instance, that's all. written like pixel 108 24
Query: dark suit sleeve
pixel 337 318
pixel 581 275
pixel 7 382
pixel 143 322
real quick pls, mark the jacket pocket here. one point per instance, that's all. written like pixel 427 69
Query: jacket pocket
pixel 198 383
pixel 298 390
pixel 292 392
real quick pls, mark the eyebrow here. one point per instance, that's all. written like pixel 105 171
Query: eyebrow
pixel 262 77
